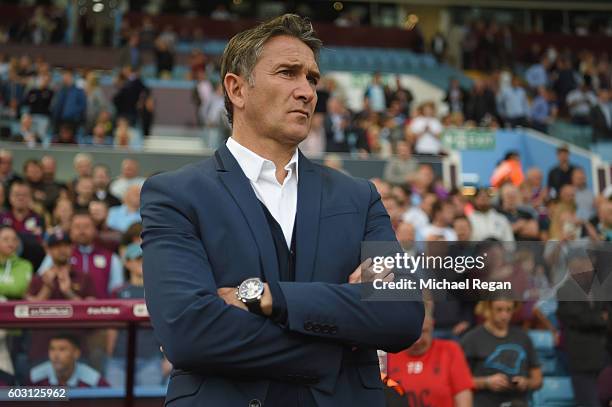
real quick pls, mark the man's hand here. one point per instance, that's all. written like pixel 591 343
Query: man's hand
pixel 368 274
pixel 498 382
pixel 460 328
pixel 228 294
pixel 520 383
pixel 49 276
pixel 65 283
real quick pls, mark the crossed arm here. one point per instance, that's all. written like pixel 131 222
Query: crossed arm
pixel 200 331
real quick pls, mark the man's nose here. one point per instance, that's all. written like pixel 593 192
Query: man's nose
pixel 305 90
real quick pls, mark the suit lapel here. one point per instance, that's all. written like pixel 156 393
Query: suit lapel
pixel 241 190
pixel 307 218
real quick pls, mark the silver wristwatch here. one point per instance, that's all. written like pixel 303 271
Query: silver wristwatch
pixel 250 292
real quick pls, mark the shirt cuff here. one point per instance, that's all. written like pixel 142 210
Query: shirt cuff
pixel 279 304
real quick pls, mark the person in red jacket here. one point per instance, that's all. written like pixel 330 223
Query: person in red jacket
pixel 433 372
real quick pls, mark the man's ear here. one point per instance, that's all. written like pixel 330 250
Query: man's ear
pixel 235 87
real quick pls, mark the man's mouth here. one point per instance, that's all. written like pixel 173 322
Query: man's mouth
pixel 304 112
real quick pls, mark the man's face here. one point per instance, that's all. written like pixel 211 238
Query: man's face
pixel 63 355
pixel 48 166
pixel 578 178
pixel 6 163
pixel 33 173
pixel 67 79
pixel 98 211
pixel 8 242
pixel 482 202
pixel 20 197
pixel 83 167
pixel 129 168
pixel 132 196
pixel 82 230
pixel 85 188
pixel 134 267
pixel 60 253
pixel 563 157
pixel 280 103
pixel 463 228
pixel 100 178
pixel 501 313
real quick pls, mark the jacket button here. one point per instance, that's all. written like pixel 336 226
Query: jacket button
pixel 254 403
pixel 308 325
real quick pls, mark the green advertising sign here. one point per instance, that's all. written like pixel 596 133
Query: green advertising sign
pixel 469 139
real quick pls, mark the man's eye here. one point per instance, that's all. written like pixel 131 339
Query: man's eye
pixel 313 80
pixel 286 72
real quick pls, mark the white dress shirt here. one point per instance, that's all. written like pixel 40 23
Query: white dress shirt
pixel 280 199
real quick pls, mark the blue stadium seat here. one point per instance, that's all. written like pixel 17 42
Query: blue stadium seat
pixel 543 342
pixel 555 392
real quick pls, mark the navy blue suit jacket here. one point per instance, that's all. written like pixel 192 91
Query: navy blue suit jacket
pixel 204 229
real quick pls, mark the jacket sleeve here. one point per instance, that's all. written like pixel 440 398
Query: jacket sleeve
pixel 337 311
pixel 197 330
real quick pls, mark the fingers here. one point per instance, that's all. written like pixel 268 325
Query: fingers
pixel 228 294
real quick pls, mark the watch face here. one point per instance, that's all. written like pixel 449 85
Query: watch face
pixel 250 289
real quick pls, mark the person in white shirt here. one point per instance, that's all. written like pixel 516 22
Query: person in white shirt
pixel 442 214
pixel 418 216
pixel 426 130
pixel 487 222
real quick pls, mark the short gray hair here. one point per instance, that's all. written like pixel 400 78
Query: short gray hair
pixel 244 49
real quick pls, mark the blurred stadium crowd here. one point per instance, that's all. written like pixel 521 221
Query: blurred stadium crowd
pixel 79 238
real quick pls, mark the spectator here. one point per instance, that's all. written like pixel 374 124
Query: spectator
pixel 220 13
pixel 462 228
pixel 101 178
pixel 130 97
pixel 438 46
pixel 83 166
pixel 32 172
pixel 509 170
pixel 61 281
pixel 66 135
pixel 148 358
pixel 442 214
pixel 17 272
pixel 98 138
pixel 203 94
pixel 580 101
pixel 513 104
pixel 62 215
pixel 487 222
pixel 130 55
pixel 164 59
pixel 38 102
pixel 21 217
pixel 96 101
pixel 501 357
pixel 341 136
pixel 601 117
pixel 425 181
pixel 419 215
pixel 583 324
pixel 52 188
pixel 63 367
pixel 584 198
pixel 455 97
pixel 7 175
pixel 537 74
pixel 69 104
pixel 129 176
pixel 401 168
pixel 523 219
pixel 406 236
pixel 433 369
pixel 425 130
pixel 27 132
pixel 535 192
pixel 84 193
pixel 565 81
pixel 542 112
pixel 562 173
pixel 107 237
pixel 121 217
pixel 315 142
pixel 374 98
pixel 124 136
pixel 103 266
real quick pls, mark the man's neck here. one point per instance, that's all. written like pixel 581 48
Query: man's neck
pixel 20 213
pixel 63 377
pixel 4 258
pixel 279 154
pixel 496 331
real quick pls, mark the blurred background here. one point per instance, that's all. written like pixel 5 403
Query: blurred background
pixel 476 120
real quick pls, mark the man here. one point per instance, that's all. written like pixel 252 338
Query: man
pixel 107 237
pixel 21 217
pixel 522 218
pixel 84 193
pixel 83 166
pixel 38 100
pixel 374 96
pixel 562 173
pixel 129 176
pixel 7 175
pixel 580 101
pixel 51 186
pixel 63 367
pixel 101 178
pixel 513 104
pixel 487 222
pixel 61 281
pixel 104 266
pixel 70 103
pixel 584 197
pixel 502 358
pixel 601 117
pixel 442 214
pixel 260 215
pixel 122 217
pixel 401 169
